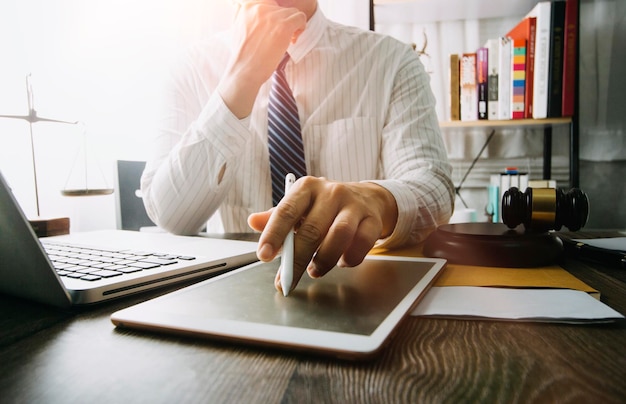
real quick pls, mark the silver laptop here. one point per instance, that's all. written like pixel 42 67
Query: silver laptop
pixel 91 267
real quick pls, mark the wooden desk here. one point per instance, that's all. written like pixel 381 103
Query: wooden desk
pixel 54 356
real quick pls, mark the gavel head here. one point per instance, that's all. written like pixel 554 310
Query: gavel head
pixel 543 209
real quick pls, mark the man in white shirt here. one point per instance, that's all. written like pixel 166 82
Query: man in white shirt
pixel 376 164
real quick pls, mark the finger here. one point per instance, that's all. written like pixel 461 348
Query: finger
pixel 337 240
pixel 316 212
pixel 277 283
pixel 282 220
pixel 295 23
pixel 258 221
pixel 244 3
pixel 292 18
pixel 364 239
pixel 296 35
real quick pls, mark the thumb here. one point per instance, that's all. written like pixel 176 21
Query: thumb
pixel 258 221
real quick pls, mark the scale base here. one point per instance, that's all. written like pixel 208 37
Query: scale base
pixel 492 245
pixel 45 227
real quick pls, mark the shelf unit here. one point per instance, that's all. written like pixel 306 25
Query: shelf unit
pixel 545 124
pixel 464 9
pixel 513 123
pixel 416 11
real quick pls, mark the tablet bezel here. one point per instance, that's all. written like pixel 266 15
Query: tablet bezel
pixel 338 344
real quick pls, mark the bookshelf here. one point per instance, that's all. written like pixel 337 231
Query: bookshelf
pixel 545 124
pixel 405 11
pixel 449 10
pixel 513 123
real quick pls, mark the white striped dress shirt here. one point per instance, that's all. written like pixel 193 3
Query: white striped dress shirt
pixel 367 114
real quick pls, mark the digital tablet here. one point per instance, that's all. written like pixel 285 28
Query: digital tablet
pixel 349 313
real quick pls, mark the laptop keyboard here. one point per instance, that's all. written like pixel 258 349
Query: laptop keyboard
pixel 90 264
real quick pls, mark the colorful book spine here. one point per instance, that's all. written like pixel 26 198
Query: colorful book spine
pixel 518 79
pixel 455 108
pixel 555 76
pixel 493 64
pixel 504 80
pixel 569 58
pixel 526 29
pixel 469 92
pixel 482 70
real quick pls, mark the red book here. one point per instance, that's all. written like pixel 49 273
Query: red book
pixel 526 30
pixel 569 58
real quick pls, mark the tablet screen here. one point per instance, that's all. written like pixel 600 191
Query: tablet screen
pixel 354 301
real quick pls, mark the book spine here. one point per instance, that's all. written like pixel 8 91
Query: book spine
pixel 504 80
pixel 482 70
pixel 569 58
pixel 469 92
pixel 523 182
pixel 530 67
pixel 492 78
pixel 557 38
pixel 505 184
pixel 494 201
pixel 455 108
pixel 542 183
pixel 518 81
pixel 542 59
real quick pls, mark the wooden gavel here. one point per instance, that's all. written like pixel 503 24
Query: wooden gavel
pixel 543 209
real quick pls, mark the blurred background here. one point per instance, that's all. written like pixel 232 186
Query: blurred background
pixel 103 63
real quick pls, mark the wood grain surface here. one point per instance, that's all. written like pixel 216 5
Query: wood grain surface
pixel 78 356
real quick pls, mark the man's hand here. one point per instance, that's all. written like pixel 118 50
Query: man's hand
pixel 336 224
pixel 263 32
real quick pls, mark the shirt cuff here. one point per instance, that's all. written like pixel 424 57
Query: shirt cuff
pixel 219 126
pixel 407 215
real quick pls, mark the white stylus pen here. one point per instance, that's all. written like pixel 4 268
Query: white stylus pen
pixel 286 266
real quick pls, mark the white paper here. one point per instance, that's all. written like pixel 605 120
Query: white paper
pixel 611 243
pixel 545 305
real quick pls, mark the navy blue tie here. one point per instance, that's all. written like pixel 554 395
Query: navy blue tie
pixel 284 135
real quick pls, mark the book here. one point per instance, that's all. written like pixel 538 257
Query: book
pixel 519 181
pixel 494 200
pixel 542 183
pixel 530 68
pixel 469 92
pixel 555 75
pixel 493 63
pixel 526 30
pixel 482 70
pixel 518 79
pixel 542 12
pixel 604 251
pixel 552 276
pixel 455 108
pixel 505 184
pixel 569 58
pixel 504 79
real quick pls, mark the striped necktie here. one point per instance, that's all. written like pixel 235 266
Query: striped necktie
pixel 284 137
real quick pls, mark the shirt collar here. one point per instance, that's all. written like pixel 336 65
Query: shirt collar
pixel 313 32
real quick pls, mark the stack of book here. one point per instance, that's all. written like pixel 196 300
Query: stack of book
pixel 499 184
pixel 528 73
